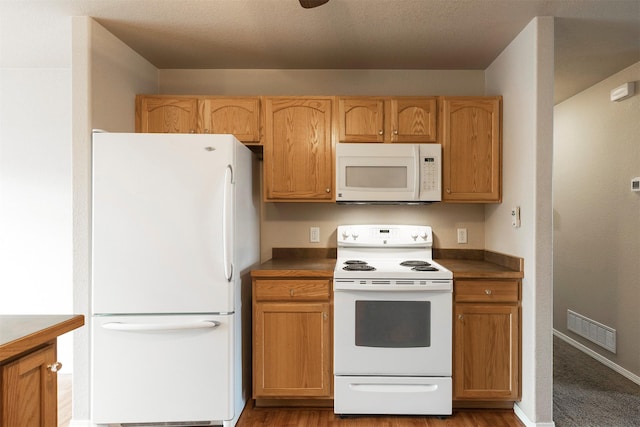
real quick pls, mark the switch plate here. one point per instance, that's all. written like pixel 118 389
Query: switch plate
pixel 515 217
pixel 314 234
pixel 462 235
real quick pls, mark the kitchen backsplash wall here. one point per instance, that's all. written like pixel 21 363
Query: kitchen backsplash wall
pixel 287 224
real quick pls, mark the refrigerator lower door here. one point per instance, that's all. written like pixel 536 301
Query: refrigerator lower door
pixel 162 369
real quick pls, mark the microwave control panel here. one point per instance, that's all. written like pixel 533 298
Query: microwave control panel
pixel 430 172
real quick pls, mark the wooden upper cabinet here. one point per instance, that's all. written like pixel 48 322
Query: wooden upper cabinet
pixel 298 152
pixel 472 148
pixel 237 116
pixel 382 119
pixel 413 120
pixel 161 114
pixel 361 119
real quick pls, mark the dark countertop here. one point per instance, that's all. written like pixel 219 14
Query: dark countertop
pixel 296 267
pixel 21 333
pixel 465 264
pixel 475 269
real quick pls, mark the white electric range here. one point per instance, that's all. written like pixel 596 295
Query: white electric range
pixel 392 322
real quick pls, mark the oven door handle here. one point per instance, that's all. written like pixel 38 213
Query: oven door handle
pixel 393 388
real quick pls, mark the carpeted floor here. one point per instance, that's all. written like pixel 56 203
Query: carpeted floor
pixel 587 393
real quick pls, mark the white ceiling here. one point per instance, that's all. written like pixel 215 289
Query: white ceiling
pixel 594 38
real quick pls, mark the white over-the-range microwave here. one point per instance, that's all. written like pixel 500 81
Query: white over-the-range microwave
pixel 388 173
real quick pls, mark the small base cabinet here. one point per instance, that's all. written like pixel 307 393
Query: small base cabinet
pixel 486 349
pixel 292 339
pixel 29 389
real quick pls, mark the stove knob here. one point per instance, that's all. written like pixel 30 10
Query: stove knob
pixel 424 236
pixel 414 237
pixel 345 235
pixel 355 236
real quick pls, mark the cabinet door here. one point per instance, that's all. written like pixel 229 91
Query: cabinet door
pixel 29 390
pixel 486 362
pixel 361 119
pixel 298 154
pixel 292 350
pixel 161 114
pixel 471 143
pixel 413 120
pixel 237 116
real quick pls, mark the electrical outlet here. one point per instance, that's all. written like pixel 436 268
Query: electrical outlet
pixel 314 234
pixel 462 235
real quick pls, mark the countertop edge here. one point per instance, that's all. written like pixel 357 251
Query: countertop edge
pixel 32 340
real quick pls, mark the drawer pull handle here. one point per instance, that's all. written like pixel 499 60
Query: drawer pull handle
pixel 54 367
pixel 488 291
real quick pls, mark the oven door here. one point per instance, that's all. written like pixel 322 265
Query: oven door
pixel 403 333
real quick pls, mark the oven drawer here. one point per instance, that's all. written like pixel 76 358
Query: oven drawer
pixel 392 395
pixel 292 290
pixel 486 290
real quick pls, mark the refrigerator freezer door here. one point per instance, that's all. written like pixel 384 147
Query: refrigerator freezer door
pixel 153 369
pixel 159 207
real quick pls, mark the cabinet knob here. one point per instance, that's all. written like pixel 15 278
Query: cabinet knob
pixel 54 367
pixel 324 315
pixel 328 190
pixel 290 292
pixel 488 291
pixel 460 317
pixel 395 131
pixel 192 131
pixel 380 132
pixel 448 190
pixel 206 131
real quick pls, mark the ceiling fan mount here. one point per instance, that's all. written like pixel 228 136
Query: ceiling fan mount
pixel 310 4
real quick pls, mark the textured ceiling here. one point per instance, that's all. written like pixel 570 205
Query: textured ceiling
pixel 594 38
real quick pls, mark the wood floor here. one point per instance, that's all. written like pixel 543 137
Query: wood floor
pixel 324 417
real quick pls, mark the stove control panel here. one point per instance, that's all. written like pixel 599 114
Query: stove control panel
pixel 385 235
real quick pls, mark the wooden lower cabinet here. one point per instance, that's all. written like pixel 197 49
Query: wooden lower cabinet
pixel 487 342
pixel 292 339
pixel 29 390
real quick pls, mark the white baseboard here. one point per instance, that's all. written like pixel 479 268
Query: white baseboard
pixel 619 369
pixel 526 421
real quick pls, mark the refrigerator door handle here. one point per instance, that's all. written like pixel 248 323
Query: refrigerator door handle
pixel 119 326
pixel 227 223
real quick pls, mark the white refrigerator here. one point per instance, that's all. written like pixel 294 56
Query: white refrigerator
pixel 175 233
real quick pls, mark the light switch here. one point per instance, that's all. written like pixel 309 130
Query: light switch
pixel 515 217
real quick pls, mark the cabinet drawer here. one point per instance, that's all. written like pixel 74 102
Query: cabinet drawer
pixel 486 290
pixel 291 290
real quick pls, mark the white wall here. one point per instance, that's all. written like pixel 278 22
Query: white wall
pixel 106 76
pixel 597 217
pixel 35 169
pixel 523 74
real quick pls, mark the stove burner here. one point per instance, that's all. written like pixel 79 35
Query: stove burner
pixel 415 263
pixel 424 268
pixel 359 267
pixel 355 262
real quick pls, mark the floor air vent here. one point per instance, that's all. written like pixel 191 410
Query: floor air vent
pixel 600 334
